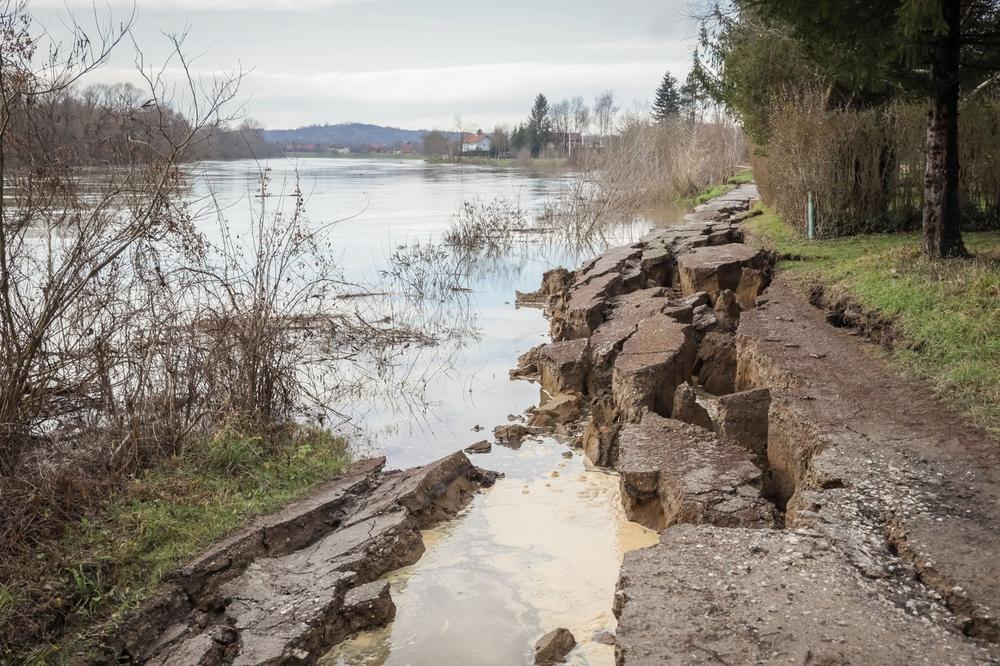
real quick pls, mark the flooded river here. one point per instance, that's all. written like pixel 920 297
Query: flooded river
pixel 542 548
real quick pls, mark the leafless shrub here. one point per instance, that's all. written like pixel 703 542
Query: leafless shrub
pixel 865 166
pixel 491 226
pixel 646 165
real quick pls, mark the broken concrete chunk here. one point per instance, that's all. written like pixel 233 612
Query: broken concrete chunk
pixel 657 265
pixel 656 359
pixel 742 420
pixel 584 306
pixel 562 366
pixel 290 608
pixel 716 364
pixel 727 311
pixel 673 472
pixel 553 647
pixel 752 283
pixel 712 269
pixel 296 525
pixel 704 320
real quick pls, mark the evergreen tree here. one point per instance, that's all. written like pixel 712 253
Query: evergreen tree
pixel 539 125
pixel 929 49
pixel 668 100
pixel 692 95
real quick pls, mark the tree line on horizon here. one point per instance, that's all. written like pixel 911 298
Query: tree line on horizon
pixel 560 126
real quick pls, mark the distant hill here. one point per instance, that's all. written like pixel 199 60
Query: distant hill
pixel 346 134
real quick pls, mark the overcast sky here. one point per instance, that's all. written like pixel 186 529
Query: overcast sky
pixel 410 63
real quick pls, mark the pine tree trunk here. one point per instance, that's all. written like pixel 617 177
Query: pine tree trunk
pixel 942 213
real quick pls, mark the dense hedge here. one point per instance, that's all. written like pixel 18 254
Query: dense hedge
pixel 865 168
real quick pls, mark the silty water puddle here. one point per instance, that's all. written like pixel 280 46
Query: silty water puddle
pixel 538 551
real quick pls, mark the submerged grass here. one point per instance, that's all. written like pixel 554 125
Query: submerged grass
pixel 948 312
pixel 112 561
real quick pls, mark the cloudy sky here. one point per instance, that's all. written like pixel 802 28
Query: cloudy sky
pixel 408 63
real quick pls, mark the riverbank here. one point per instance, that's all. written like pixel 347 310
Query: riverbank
pixel 59 603
pixel 813 504
pixel 939 321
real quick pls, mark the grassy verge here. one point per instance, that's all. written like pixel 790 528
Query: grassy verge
pixel 713 191
pixel 109 563
pixel 948 312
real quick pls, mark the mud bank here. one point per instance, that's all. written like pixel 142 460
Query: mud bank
pixel 814 507
pixel 293 584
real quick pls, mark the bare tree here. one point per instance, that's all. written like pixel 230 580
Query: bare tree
pixel 605 111
pixel 562 122
pixel 581 115
pixel 85 255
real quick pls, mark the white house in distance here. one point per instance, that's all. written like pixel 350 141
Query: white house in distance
pixel 475 143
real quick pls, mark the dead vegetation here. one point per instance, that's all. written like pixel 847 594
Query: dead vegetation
pixel 137 349
pixel 647 165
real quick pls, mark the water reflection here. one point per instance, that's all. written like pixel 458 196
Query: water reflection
pixel 433 397
pixel 542 548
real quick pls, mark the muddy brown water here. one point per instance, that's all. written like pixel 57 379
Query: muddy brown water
pixel 542 548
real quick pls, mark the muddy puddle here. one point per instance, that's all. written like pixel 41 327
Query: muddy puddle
pixel 538 551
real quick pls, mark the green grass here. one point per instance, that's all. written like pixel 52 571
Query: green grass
pixel 111 562
pixel 741 177
pixel 948 312
pixel 705 195
pixel 713 191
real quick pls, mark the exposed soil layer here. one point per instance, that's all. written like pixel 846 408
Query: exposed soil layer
pixel 816 508
pixel 291 585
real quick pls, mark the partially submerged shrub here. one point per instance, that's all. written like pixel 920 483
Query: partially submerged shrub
pixel 491 226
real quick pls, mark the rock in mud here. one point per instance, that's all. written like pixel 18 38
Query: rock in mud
pixel 561 409
pixel 604 638
pixel 479 447
pixel 513 435
pixel 673 472
pixel 553 647
pixel 741 596
pixel 653 362
pixel 560 367
pixel 713 269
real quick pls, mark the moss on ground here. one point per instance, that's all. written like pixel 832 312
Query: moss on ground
pixel 948 312
pixel 110 562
